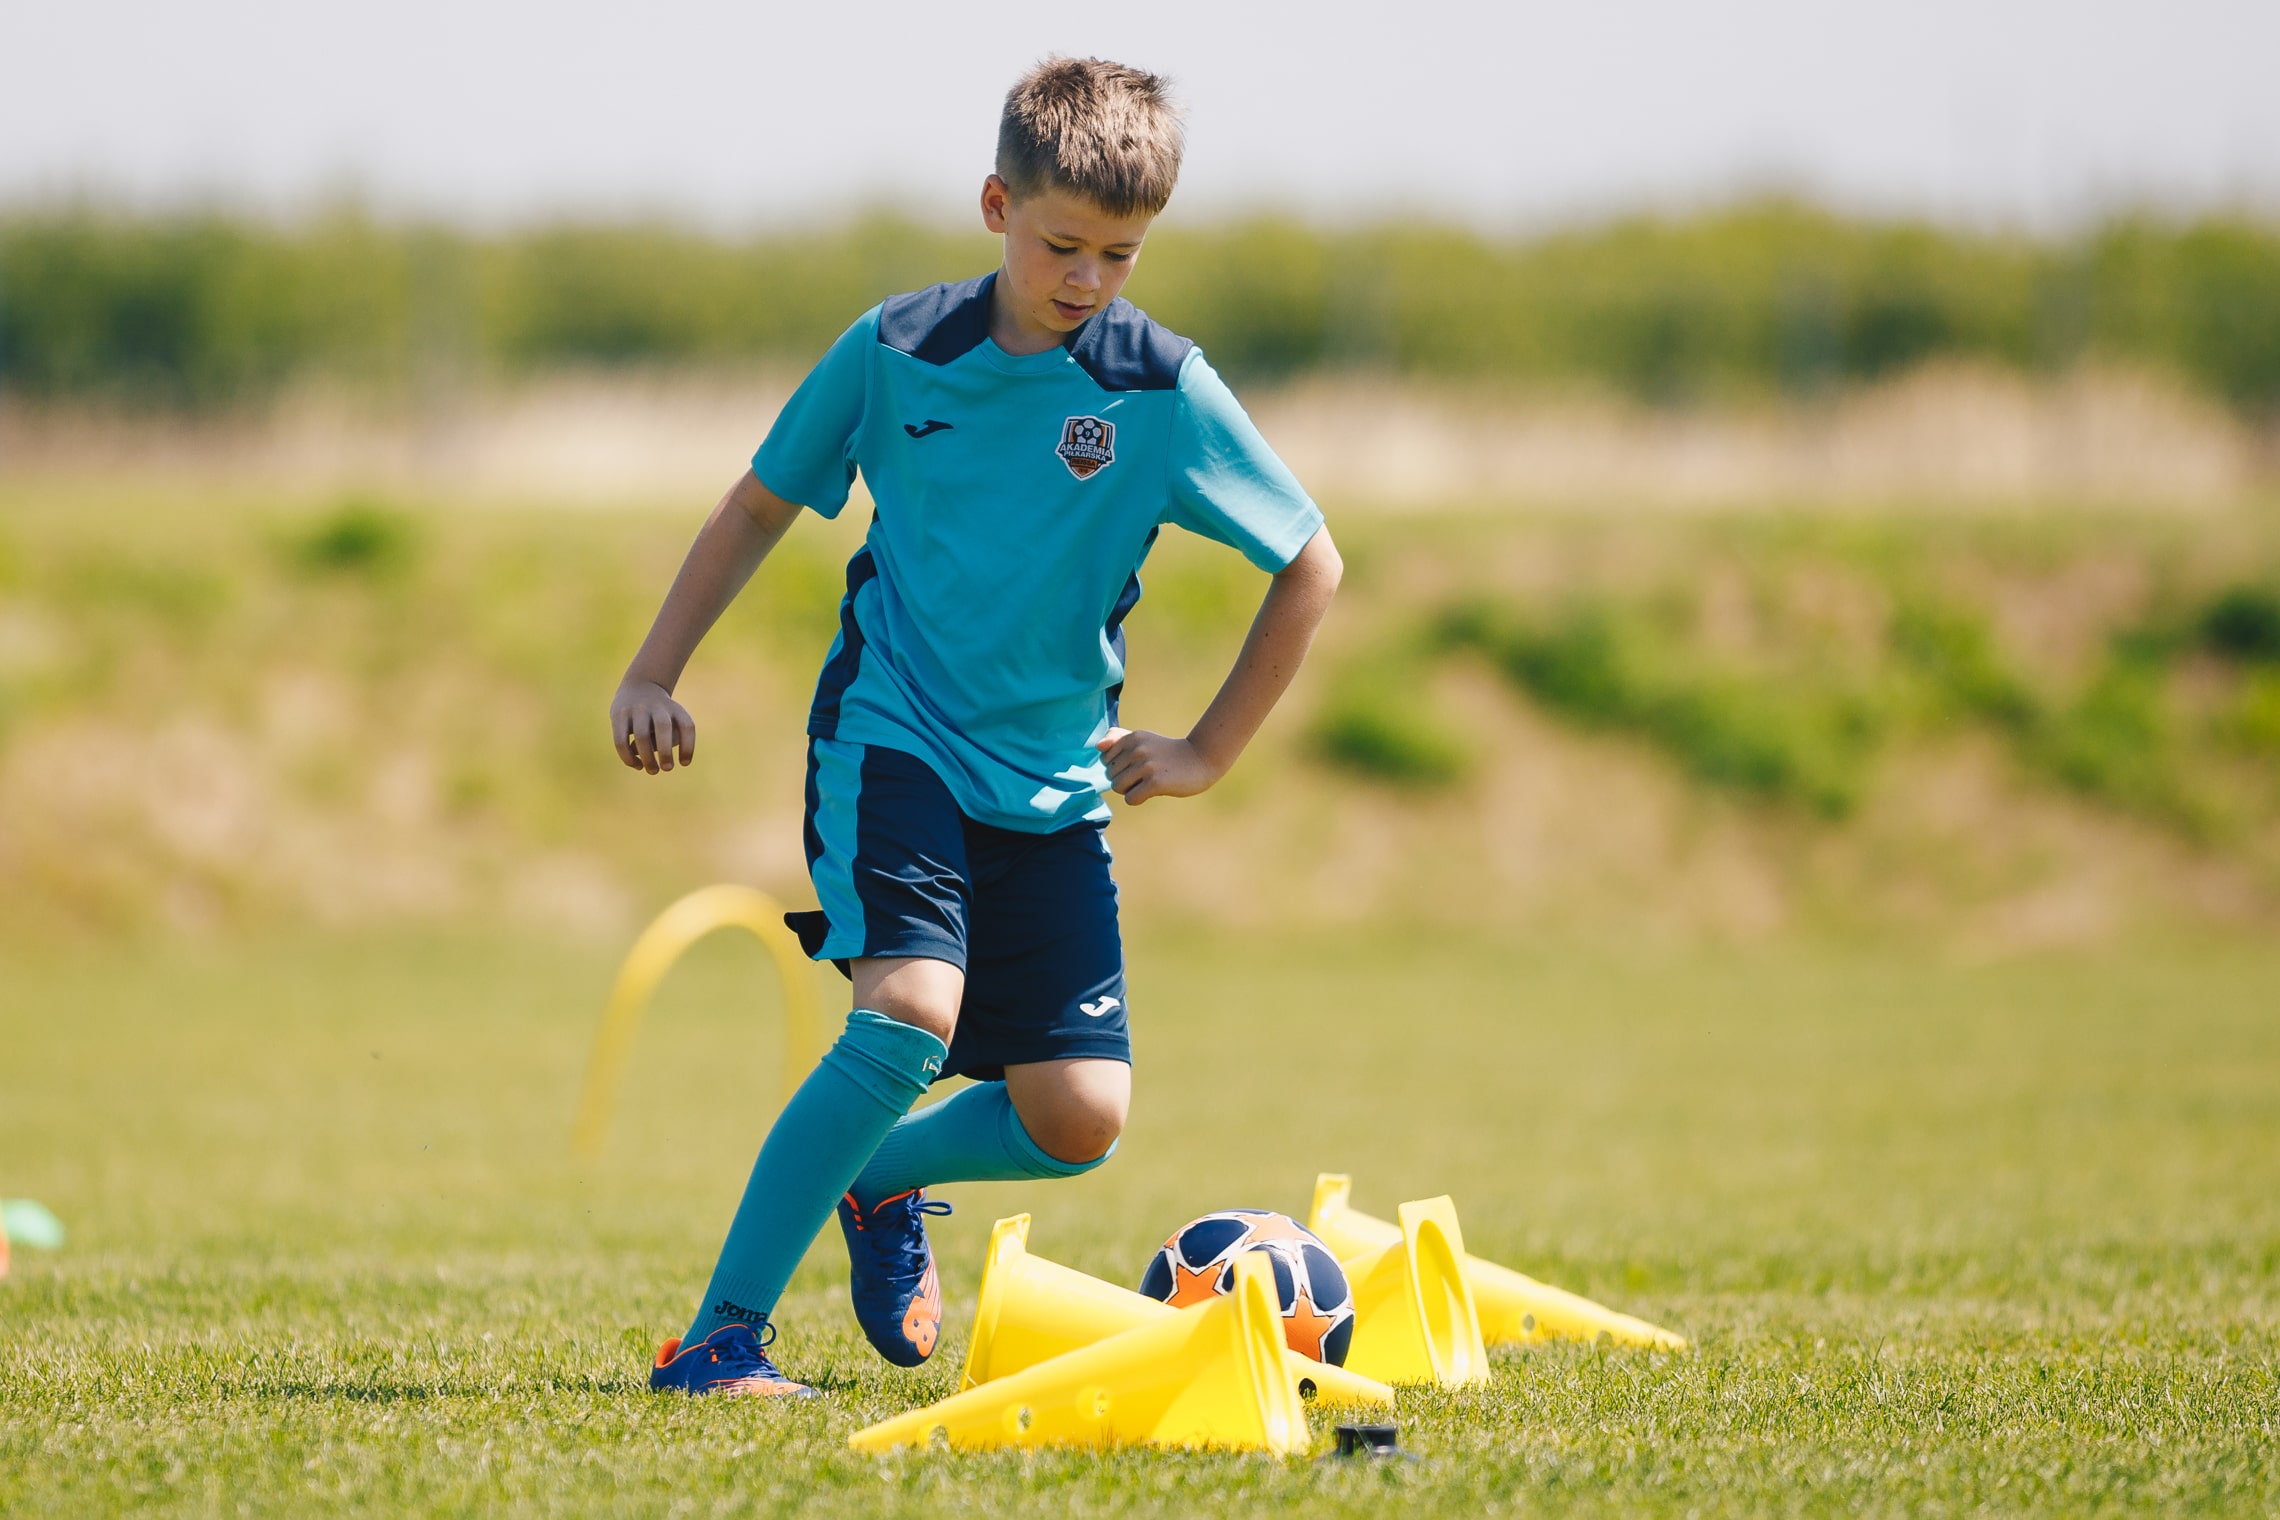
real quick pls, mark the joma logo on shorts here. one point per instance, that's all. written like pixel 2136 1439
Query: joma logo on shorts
pixel 1095 1010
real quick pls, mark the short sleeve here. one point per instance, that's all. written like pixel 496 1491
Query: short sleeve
pixel 1226 484
pixel 808 457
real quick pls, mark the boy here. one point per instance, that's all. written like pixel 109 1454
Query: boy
pixel 1024 437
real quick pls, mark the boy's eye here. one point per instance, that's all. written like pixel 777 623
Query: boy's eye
pixel 1059 248
pixel 1121 257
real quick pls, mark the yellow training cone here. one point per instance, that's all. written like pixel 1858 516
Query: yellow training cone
pixel 1515 1309
pixel 1033 1310
pixel 1209 1376
pixel 1414 1320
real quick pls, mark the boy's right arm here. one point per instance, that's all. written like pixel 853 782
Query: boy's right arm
pixel 646 724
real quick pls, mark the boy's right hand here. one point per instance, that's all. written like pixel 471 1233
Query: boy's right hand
pixel 648 726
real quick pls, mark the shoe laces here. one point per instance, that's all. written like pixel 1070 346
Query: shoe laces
pixel 763 1336
pixel 898 1250
pixel 919 1204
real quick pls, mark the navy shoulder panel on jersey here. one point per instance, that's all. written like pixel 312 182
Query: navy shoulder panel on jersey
pixel 1121 348
pixel 939 323
pixel 1124 351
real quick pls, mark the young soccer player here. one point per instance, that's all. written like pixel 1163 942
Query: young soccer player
pixel 1024 436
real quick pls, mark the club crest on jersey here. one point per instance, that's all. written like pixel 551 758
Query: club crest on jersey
pixel 1088 446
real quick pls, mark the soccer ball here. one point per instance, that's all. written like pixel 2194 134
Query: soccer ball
pixel 1198 1263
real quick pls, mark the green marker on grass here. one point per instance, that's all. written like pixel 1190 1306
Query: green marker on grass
pixel 27 1222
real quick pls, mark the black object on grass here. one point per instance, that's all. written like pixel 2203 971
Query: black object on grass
pixel 1367 1441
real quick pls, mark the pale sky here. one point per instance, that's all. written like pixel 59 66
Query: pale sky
pixel 490 111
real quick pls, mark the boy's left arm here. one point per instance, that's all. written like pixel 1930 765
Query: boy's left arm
pixel 1142 765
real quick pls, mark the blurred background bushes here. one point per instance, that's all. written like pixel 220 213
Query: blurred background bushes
pixel 1759 696
pixel 1786 735
pixel 1770 298
pixel 246 710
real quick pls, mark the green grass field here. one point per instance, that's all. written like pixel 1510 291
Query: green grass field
pixel 1950 1237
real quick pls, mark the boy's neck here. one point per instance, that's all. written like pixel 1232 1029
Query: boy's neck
pixel 1010 330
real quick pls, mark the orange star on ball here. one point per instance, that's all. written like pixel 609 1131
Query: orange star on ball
pixel 1276 1227
pixel 1304 1326
pixel 1193 1287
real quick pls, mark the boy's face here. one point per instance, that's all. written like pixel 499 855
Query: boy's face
pixel 1065 259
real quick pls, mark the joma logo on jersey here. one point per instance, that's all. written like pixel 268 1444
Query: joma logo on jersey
pixel 1088 446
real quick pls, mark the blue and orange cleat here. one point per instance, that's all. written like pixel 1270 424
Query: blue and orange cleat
pixel 890 1274
pixel 730 1360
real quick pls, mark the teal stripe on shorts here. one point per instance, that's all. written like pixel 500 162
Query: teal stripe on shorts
pixel 835 782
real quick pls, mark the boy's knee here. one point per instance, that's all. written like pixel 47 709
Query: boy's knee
pixel 1078 1137
pixel 911 990
pixel 1072 1111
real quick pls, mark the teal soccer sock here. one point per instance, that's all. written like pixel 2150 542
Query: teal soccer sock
pixel 971 1136
pixel 863 1084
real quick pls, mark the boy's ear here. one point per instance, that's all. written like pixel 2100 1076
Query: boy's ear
pixel 997 199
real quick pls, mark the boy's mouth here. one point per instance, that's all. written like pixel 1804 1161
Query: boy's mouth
pixel 1068 313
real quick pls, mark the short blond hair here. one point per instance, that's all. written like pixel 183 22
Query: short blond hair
pixel 1097 129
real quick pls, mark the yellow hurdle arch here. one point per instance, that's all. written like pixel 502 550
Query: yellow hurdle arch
pixel 662 944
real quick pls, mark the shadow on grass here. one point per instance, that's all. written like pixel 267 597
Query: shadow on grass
pixel 425 1391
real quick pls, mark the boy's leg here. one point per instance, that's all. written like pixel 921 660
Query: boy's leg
pixel 1046 1119
pixel 1042 1024
pixel 975 1135
pixel 863 1085
pixel 887 854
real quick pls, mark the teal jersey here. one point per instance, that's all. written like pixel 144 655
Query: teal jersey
pixel 1016 497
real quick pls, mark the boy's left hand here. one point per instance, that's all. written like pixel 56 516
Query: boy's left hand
pixel 1142 765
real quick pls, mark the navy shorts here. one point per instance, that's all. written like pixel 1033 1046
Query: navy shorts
pixel 1030 918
